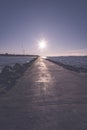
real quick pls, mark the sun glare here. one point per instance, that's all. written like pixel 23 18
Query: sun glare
pixel 42 44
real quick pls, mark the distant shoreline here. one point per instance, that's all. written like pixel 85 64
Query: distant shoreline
pixel 6 54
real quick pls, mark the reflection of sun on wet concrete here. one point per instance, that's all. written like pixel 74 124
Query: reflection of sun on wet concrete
pixel 44 75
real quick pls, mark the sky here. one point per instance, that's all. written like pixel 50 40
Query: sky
pixel 62 23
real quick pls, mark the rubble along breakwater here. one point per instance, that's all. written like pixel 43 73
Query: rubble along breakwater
pixel 9 75
pixel 69 67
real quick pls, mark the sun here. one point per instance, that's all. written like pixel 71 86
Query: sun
pixel 42 44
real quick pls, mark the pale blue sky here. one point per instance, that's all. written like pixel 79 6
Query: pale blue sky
pixel 62 22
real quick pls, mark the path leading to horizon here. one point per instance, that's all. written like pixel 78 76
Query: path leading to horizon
pixel 47 97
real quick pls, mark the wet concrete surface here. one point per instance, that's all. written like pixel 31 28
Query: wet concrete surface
pixel 47 97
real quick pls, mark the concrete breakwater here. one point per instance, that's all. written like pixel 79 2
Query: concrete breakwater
pixel 9 75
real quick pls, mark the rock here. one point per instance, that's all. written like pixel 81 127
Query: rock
pixel 18 68
pixel 9 74
pixel 6 70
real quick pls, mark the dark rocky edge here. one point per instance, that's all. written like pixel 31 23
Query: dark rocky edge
pixel 69 67
pixel 10 75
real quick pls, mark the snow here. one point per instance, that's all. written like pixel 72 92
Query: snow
pixel 11 60
pixel 79 62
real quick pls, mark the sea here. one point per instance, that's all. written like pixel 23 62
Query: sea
pixel 12 60
pixel 79 62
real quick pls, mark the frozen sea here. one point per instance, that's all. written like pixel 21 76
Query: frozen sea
pixel 77 62
pixel 11 60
